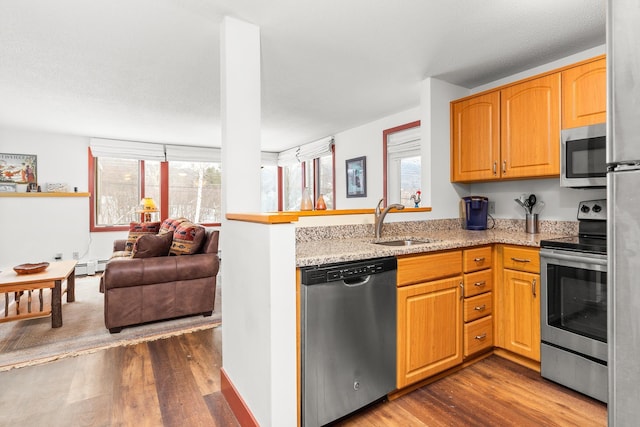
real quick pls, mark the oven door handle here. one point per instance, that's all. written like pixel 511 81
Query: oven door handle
pixel 582 259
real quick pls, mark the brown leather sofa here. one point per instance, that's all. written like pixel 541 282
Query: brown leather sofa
pixel 140 290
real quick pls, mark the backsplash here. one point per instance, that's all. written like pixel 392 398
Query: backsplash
pixel 355 231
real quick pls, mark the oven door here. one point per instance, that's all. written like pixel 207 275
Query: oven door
pixel 573 309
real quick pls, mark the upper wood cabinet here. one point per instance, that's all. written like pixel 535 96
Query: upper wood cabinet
pixel 584 94
pixel 507 134
pixel 475 138
pixel 513 132
pixel 530 127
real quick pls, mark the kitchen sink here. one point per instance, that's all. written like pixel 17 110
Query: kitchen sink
pixel 404 242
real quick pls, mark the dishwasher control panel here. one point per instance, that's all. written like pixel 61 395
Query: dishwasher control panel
pixel 335 272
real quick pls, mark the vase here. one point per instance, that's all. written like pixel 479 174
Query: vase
pixel 320 204
pixel 305 203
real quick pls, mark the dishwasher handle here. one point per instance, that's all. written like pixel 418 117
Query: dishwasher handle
pixel 356 281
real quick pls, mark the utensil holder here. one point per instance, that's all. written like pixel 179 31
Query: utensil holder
pixel 531 223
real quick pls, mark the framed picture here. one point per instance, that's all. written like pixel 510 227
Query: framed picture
pixel 7 187
pixel 18 168
pixel 357 177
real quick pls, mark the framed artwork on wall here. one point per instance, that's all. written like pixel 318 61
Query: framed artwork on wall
pixel 357 177
pixel 18 168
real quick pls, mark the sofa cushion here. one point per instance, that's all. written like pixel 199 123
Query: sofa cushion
pixel 187 239
pixel 137 229
pixel 152 245
pixel 169 225
pixel 120 254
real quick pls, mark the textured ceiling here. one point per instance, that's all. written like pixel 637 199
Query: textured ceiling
pixel 148 70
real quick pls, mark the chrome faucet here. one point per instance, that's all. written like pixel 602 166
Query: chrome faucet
pixel 379 216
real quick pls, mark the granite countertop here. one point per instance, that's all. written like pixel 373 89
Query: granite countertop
pixel 331 250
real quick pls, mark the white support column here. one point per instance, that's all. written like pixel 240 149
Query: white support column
pixel 258 260
pixel 240 115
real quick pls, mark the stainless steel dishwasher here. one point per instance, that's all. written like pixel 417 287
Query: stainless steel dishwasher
pixel 348 342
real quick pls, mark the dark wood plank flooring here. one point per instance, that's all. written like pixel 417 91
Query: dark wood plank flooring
pixel 176 382
pixel 492 392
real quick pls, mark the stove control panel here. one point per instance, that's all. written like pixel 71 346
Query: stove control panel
pixel 594 210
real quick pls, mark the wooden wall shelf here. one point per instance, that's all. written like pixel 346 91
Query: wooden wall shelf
pixel 45 194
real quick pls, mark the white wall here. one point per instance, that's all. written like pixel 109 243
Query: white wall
pixel 39 228
pixel 439 193
pixel 35 229
pixel 366 141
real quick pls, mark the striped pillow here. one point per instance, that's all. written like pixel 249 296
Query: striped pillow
pixel 137 229
pixel 187 239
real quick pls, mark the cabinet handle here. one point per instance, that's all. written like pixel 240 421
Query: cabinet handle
pixel 480 284
pixel 520 259
pixel 480 307
pixel 495 168
pixel 533 287
pixel 481 336
pixel 504 167
pixel 461 290
pixel 479 259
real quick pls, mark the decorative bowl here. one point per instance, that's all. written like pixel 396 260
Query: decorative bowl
pixel 31 268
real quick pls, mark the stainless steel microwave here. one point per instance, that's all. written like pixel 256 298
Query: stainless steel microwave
pixel 583 160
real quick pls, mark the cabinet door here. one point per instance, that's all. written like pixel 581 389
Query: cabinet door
pixel 429 329
pixel 584 94
pixel 522 313
pixel 475 138
pixel 530 124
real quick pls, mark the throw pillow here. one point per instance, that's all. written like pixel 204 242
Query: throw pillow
pixel 137 229
pixel 187 239
pixel 152 245
pixel 169 225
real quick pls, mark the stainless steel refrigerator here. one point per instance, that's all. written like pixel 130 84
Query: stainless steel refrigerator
pixel 623 199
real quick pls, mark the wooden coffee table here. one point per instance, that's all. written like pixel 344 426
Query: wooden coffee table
pixel 51 278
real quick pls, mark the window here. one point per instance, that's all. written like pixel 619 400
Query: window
pixel 116 190
pixel 324 178
pixel 122 173
pixel 403 163
pixel 292 185
pixel 194 191
pixel 311 166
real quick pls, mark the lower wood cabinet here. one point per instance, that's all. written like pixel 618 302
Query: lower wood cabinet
pixel 429 329
pixel 478 335
pixel 522 313
pixel 518 301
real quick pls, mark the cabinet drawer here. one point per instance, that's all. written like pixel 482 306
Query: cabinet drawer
pixel 478 306
pixel 422 268
pixel 478 282
pixel 476 259
pixel 522 259
pixel 478 335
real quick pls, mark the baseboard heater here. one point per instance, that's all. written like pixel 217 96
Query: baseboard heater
pixel 90 268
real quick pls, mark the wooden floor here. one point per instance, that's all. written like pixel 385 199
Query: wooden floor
pixel 492 392
pixel 176 382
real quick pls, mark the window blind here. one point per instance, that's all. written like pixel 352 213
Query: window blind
pixel 404 141
pixel 186 153
pixel 268 158
pixel 306 152
pixel 126 149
